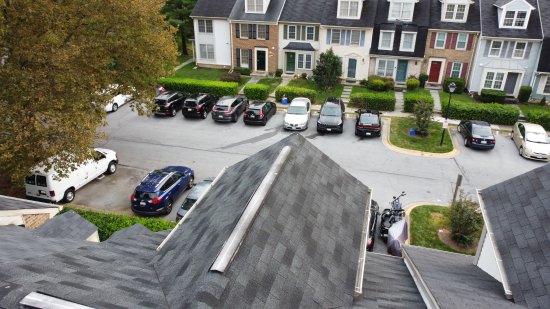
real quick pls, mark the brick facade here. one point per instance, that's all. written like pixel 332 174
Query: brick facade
pixel 271 44
pixel 34 221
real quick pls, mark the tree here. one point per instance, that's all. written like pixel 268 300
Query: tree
pixel 328 70
pixel 58 59
pixel 177 12
pixel 423 115
pixel 466 221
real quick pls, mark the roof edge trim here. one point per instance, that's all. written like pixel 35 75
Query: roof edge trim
pixel 425 292
pixel 358 292
pixel 235 239
pixel 39 300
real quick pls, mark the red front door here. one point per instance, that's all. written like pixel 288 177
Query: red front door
pixel 435 68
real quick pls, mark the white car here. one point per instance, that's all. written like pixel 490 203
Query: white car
pixel 117 101
pixel 532 141
pixel 297 114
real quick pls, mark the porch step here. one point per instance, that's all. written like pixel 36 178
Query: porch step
pixel 259 74
pixel 510 100
pixel 432 86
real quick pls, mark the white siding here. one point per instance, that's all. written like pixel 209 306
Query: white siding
pixel 220 38
pixel 487 258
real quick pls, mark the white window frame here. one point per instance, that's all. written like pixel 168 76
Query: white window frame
pixel 295 29
pixel 358 34
pixel 256 7
pixel 401 48
pixel 241 36
pixel 205 23
pixel 454 12
pixel 393 69
pixel 243 64
pixel 499 49
pixel 332 31
pixel 547 84
pixel 515 19
pixel 516 49
pixel 260 34
pixel 345 9
pixel 437 39
pixel 207 52
pixel 305 61
pixel 458 41
pixel 398 6
pixel 494 80
pixel 312 33
pixel 380 47
pixel 459 69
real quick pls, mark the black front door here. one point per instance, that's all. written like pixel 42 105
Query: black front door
pixel 260 60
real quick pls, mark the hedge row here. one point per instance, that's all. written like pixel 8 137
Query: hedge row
pixel 491 112
pixel 384 101
pixel 294 92
pixel 411 98
pixel 108 223
pixel 256 91
pixel 216 88
pixel 492 96
pixel 459 82
pixel 539 117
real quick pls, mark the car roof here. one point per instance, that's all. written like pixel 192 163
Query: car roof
pixel 196 96
pixel 533 127
pixel 480 123
pixel 157 177
pixel 300 101
pixel 331 104
pixel 257 104
pixel 227 100
pixel 166 95
pixel 368 111
pixel 198 189
pixel 334 100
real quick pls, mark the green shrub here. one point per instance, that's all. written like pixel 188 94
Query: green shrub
pixel 294 92
pixel 466 221
pixel 412 83
pixel 256 91
pixel 412 98
pixel 363 82
pixel 377 85
pixel 541 117
pixel 243 71
pixel 491 112
pixel 492 96
pixel 542 101
pixel 108 223
pixel 279 72
pixel 384 101
pixel 390 83
pixel 423 114
pixel 217 88
pixel 524 93
pixel 423 78
pixel 303 76
pixel 231 77
pixel 459 82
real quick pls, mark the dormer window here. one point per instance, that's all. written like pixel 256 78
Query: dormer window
pixel 401 10
pixel 515 19
pixel 514 13
pixel 349 9
pixel 256 6
pixel 455 10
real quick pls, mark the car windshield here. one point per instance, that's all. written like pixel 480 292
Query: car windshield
pixel 481 130
pixel 187 203
pixel 253 111
pixel 145 195
pixel 537 137
pixel 159 101
pixel 190 103
pixel 296 110
pixel 368 119
pixel 221 107
pixel 331 111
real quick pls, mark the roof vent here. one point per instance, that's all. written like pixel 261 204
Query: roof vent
pixel 234 241
pixel 43 301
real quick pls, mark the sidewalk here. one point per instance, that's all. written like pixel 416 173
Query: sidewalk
pixel 188 61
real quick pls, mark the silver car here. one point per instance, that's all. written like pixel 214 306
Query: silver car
pixel 532 141
pixel 195 193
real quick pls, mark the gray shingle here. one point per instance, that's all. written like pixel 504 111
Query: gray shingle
pixel 472 22
pixel 213 8
pixel 271 15
pixel 67 225
pixel 12 203
pixel 489 22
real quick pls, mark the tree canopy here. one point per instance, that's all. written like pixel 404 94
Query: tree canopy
pixel 328 70
pixel 178 14
pixel 57 58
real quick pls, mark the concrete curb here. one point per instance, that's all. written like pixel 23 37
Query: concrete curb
pixel 408 210
pixel 389 145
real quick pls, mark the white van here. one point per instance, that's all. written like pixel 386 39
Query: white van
pixel 46 186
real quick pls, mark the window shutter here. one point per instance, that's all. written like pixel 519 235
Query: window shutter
pixel 342 37
pixel 298 34
pixel 285 32
pixel 432 39
pixel 238 57
pixel 508 48
pixel 267 32
pixel 464 70
pixel 348 37
pixel 453 40
pixel 362 40
pixel 487 48
pixel 329 31
pixel 448 71
pixel 448 41
pixel 316 34
pixel 470 41
pixel 250 26
pixel 250 58
pixel 237 30
pixel 528 50
pixel 254 31
pixel 303 38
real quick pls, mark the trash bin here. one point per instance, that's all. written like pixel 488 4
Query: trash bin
pixel 284 100
pixel 412 131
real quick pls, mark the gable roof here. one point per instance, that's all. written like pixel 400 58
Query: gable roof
pixel 368 13
pixel 489 22
pixel 472 23
pixel 271 15
pixel 503 3
pixel 518 212
pixel 213 8
pixel 13 203
pixel 544 65
pixel 67 225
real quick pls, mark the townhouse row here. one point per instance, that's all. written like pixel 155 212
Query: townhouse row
pixel 495 44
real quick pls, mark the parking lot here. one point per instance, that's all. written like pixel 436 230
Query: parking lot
pixel 145 143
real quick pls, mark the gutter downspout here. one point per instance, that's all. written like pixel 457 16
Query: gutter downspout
pixel 358 292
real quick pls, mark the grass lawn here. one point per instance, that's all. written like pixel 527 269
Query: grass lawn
pixel 360 89
pixel 271 82
pixel 244 80
pixel 321 95
pixel 419 91
pixel 426 221
pixel 399 136
pixel 199 73
pixel 462 97
pixel 533 107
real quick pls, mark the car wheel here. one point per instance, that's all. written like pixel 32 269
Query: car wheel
pixel 69 195
pixel 111 169
pixel 466 144
pixel 115 107
pixel 521 154
pixel 191 182
pixel 264 122
pixel 168 207
pixel 203 115
pixel 173 112
pixel 234 118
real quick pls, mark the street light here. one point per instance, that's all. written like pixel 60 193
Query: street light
pixel 452 88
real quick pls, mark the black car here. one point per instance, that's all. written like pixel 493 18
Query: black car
pixel 198 105
pixel 229 108
pixel 169 102
pixel 477 134
pixel 368 123
pixel 259 112
pixel 374 214
pixel 331 117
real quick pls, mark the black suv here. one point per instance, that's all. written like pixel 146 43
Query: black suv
pixel 368 123
pixel 259 112
pixel 198 105
pixel 331 117
pixel 169 102
pixel 229 108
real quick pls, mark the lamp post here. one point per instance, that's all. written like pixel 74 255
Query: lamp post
pixel 452 88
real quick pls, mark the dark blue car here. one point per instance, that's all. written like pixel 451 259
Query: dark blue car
pixel 160 188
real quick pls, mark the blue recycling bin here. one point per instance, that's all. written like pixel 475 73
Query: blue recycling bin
pixel 284 101
pixel 412 131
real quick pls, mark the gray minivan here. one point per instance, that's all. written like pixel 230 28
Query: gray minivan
pixel 196 192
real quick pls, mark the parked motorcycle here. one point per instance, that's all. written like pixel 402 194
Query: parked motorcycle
pixel 391 215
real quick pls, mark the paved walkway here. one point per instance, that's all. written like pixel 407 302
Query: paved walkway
pixel 345 94
pixel 399 102
pixel 284 82
pixel 184 64
pixel 253 80
pixel 437 101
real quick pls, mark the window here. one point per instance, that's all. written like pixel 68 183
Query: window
pixel 335 36
pixel 254 6
pixel 519 50
pixel 547 86
pixel 401 11
pixel 41 181
pixel 355 37
pixel 456 69
pixel 206 51
pixel 308 62
pixel 455 12
pixel 304 61
pixel 262 32
pixel 292 32
pixel 493 80
pixel 461 41
pixel 440 40
pixel 244 31
pixel 244 58
pixel 515 19
pixel 385 67
pixel 386 40
pixel 495 49
pixel 407 41
pixel 30 180
pixel 310 33
pixel 205 26
pixel 349 9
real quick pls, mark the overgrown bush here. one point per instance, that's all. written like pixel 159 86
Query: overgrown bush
pixel 524 93
pixel 384 101
pixel 294 92
pixel 423 115
pixel 466 221
pixel 379 83
pixel 231 77
pixel 541 117
pixel 423 78
pixel 256 91
pixel 412 83
pixel 108 223
pixel 279 72
pixel 492 96
pixel 217 88
pixel 328 70
pixel 412 98
pixel 303 75
pixel 243 71
pixel 459 82
pixel 491 112
pixel 363 82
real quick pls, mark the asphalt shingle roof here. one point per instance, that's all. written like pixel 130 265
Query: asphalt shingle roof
pixel 368 13
pixel 518 211
pixel 472 22
pixel 299 46
pixel 213 8
pixel 12 203
pixel 67 225
pixel 489 23
pixel 271 15
pixel 544 64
